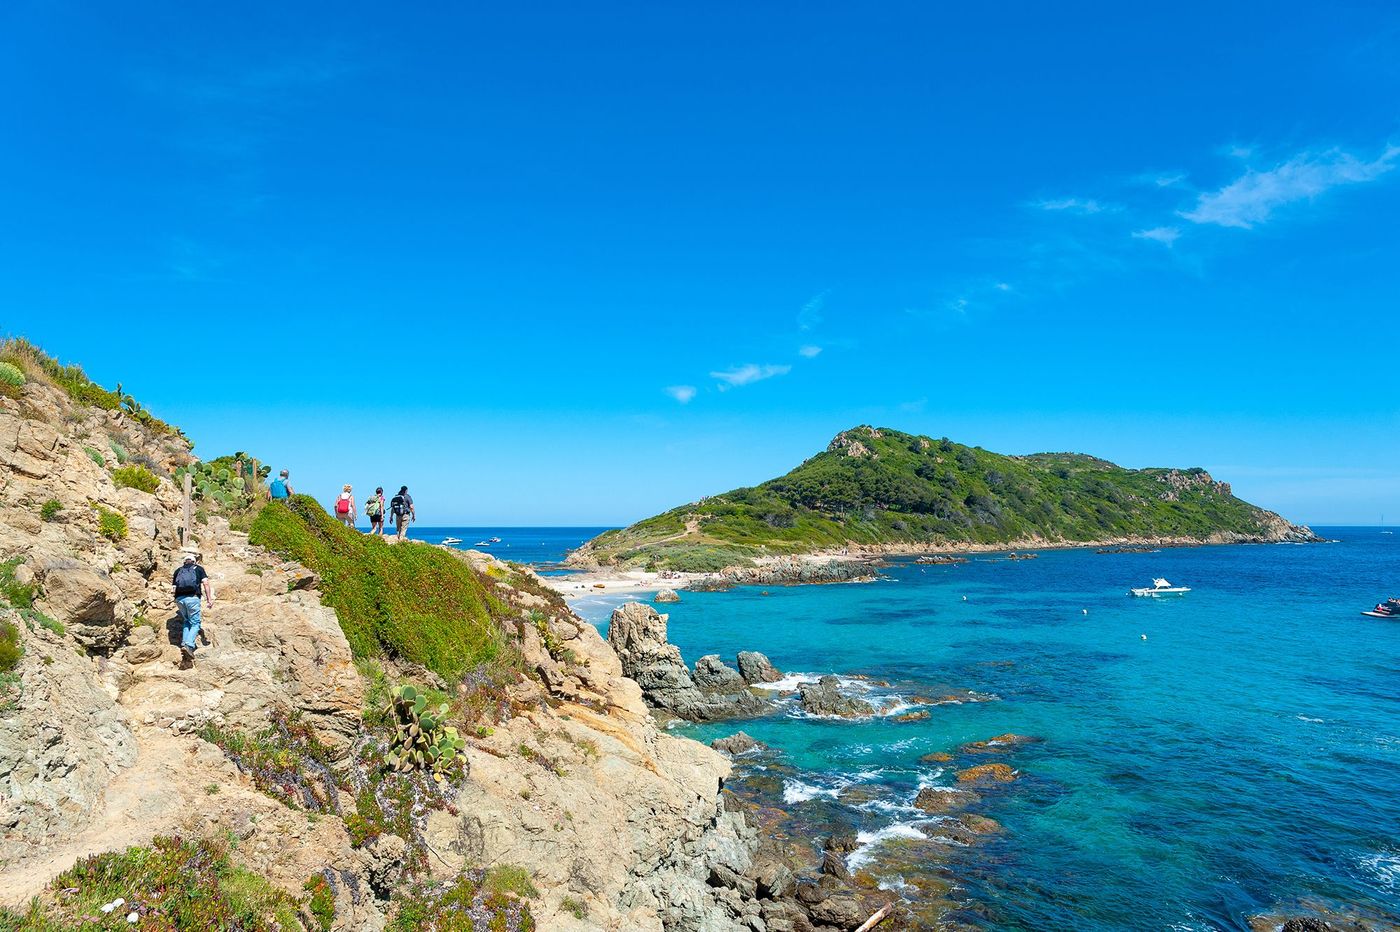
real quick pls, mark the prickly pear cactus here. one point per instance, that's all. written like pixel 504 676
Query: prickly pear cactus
pixel 422 739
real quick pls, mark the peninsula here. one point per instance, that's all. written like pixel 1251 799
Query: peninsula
pixel 876 490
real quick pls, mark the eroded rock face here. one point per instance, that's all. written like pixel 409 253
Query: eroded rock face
pixel 638 634
pixel 738 743
pixel 756 668
pixel 713 673
pixel 824 697
pixel 86 601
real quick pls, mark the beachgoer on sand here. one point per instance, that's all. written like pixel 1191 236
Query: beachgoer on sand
pixel 401 505
pixel 281 487
pixel 190 582
pixel 345 506
pixel 374 510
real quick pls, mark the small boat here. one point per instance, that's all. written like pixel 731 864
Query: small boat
pixel 1159 587
pixel 452 540
pixel 481 543
pixel 495 540
pixel 1390 608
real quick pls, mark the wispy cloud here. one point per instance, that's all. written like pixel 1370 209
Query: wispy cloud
pixel 1164 235
pixel 682 393
pixel 811 313
pixel 747 374
pixel 809 352
pixel 1002 286
pixel 1074 205
pixel 1253 198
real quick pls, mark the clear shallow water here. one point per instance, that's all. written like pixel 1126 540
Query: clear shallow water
pixel 1244 757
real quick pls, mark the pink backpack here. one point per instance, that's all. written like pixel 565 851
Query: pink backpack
pixel 342 505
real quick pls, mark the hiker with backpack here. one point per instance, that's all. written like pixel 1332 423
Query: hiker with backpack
pixel 190 581
pixel 374 510
pixel 281 487
pixel 402 507
pixel 345 507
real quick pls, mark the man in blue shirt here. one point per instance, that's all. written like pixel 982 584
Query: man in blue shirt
pixel 191 581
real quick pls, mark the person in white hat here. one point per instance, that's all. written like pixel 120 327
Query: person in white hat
pixel 191 581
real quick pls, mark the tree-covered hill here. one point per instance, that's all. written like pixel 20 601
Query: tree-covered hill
pixel 875 487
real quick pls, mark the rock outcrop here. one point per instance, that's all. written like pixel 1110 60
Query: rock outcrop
pixel 824 697
pixel 757 668
pixel 666 595
pixel 638 634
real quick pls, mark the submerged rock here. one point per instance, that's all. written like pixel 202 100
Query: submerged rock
pixel 944 799
pixel 756 668
pixel 987 773
pixel 824 697
pixel 999 743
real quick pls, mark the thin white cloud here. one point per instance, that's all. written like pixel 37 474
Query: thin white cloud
pixel 811 313
pixel 1164 235
pixel 747 374
pixel 1253 197
pixel 1075 205
pixel 1002 286
pixel 682 393
pixel 809 351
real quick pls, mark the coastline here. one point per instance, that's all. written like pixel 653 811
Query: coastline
pixel 853 563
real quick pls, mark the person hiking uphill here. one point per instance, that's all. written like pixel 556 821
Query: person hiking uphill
pixel 345 507
pixel 281 488
pixel 374 510
pixel 402 507
pixel 190 582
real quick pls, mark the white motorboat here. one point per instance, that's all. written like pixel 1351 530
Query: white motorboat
pixel 452 540
pixel 482 543
pixel 1159 587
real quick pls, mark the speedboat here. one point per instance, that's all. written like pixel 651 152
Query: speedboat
pixel 1159 587
pixel 495 540
pixel 452 540
pixel 1390 608
pixel 482 543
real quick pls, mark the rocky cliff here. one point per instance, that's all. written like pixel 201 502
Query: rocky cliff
pixel 106 744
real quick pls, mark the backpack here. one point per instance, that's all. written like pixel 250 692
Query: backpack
pixel 187 577
pixel 372 507
pixel 397 505
pixel 342 504
pixel 279 488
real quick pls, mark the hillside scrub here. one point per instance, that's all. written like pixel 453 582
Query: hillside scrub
pixel 408 601
pixel 883 487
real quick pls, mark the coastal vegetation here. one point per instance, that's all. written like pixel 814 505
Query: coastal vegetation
pixel 883 488
pixel 413 603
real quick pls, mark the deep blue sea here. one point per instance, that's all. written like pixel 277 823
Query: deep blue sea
pixel 539 546
pixel 1243 757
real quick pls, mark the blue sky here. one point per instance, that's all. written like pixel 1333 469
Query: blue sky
pixel 577 263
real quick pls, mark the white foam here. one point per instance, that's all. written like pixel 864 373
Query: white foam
pixel 795 791
pixel 869 840
pixel 1318 721
pixel 1384 867
pixel 789 683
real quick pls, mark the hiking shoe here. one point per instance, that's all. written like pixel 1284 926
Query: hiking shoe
pixel 186 658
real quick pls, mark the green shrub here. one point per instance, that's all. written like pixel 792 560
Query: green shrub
pixel 284 760
pixel 12 379
pixel 10 648
pixel 574 907
pixel 118 450
pixel 508 878
pixel 175 883
pixel 50 509
pixel 321 900
pixel 411 601
pixel 95 455
pixel 20 597
pixel 136 477
pixel 450 906
pixel 110 524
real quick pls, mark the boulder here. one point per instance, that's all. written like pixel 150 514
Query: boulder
pixel 943 799
pixel 987 773
pixel 999 743
pixel 756 668
pixel 738 743
pixel 666 595
pixel 712 673
pixel 824 697
pixel 1307 924
pixel 937 757
pixel 87 602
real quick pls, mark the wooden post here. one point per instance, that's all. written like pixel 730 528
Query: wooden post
pixel 254 486
pixel 186 530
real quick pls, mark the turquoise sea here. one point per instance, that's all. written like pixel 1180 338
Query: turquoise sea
pixel 1243 758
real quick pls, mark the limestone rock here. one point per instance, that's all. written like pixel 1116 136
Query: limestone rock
pixel 756 668
pixel 943 799
pixel 738 743
pixel 824 697
pixel 987 773
pixel 666 595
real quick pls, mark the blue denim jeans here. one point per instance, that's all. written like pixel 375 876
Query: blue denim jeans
pixel 189 614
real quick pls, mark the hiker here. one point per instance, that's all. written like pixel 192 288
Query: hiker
pixel 402 507
pixel 281 487
pixel 374 510
pixel 345 507
pixel 190 581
